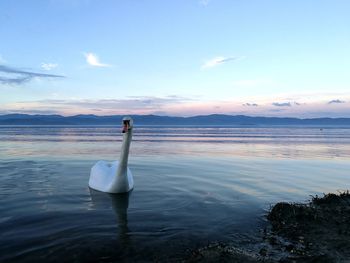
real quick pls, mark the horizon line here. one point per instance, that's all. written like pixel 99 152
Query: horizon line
pixel 172 116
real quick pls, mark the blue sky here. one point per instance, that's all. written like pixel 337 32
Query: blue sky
pixel 184 57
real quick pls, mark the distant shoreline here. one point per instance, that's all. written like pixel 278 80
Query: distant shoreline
pixel 203 120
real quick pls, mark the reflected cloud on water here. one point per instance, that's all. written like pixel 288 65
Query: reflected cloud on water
pixel 105 142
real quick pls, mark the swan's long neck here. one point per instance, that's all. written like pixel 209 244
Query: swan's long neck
pixel 124 154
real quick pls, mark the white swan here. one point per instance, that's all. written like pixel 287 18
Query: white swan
pixel 115 177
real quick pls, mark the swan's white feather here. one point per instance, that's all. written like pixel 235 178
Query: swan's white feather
pixel 103 175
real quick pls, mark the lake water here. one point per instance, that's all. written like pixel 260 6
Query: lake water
pixel 193 186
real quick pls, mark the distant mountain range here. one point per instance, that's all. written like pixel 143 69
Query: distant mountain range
pixel 214 119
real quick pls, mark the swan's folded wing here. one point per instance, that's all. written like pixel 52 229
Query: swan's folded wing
pixel 101 175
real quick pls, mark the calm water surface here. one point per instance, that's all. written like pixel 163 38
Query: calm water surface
pixel 193 186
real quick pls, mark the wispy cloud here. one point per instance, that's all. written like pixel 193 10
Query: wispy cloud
pixel 250 104
pixel 9 75
pixel 93 60
pixel 131 105
pixel 48 66
pixel 336 101
pixel 204 2
pixel 29 111
pixel 276 110
pixel 282 104
pixel 2 60
pixel 217 61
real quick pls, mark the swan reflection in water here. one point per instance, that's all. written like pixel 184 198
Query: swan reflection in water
pixel 120 204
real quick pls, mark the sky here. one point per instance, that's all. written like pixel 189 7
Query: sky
pixel 287 58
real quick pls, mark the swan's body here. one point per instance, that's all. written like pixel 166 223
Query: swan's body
pixel 115 177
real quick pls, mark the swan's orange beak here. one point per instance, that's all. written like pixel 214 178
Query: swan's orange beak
pixel 125 127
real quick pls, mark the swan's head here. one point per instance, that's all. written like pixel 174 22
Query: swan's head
pixel 127 124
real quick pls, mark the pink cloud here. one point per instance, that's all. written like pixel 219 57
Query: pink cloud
pixel 179 106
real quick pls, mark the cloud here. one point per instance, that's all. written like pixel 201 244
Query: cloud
pixel 2 60
pixel 93 60
pixel 336 101
pixel 204 2
pixel 311 105
pixel 217 61
pixel 131 105
pixel 9 75
pixel 282 104
pixel 250 104
pixel 30 111
pixel 48 66
pixel 276 110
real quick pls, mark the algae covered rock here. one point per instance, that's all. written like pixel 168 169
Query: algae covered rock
pixel 318 229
